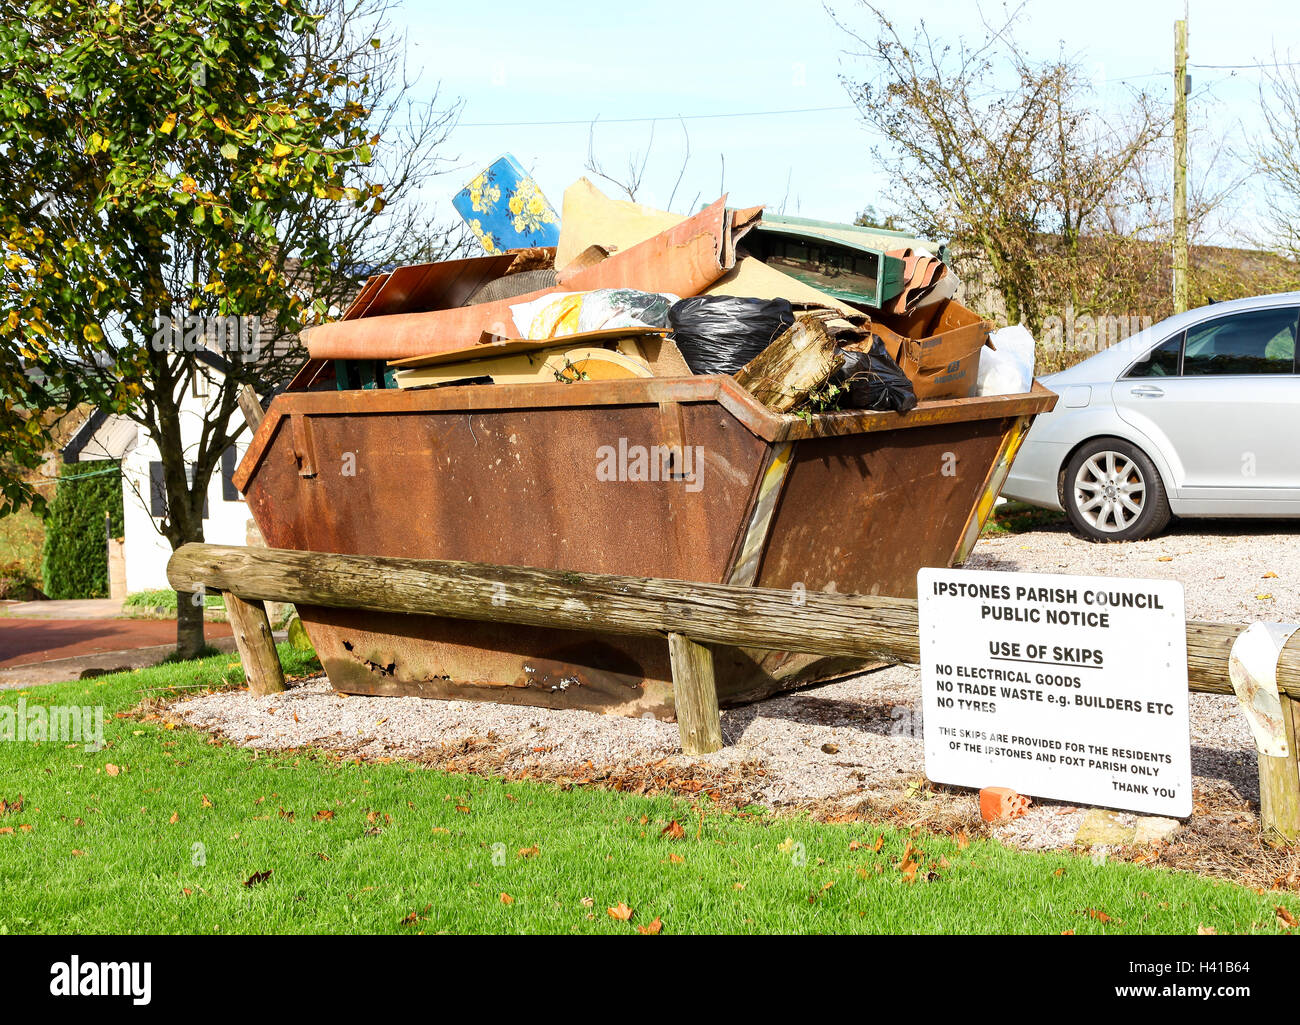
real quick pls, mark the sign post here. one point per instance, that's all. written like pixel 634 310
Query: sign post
pixel 1064 687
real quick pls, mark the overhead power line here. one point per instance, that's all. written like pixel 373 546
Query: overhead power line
pixel 1244 67
pixel 646 120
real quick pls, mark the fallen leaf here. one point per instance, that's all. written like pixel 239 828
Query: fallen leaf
pixel 507 899
pixel 1285 917
pixel 462 809
pixel 588 902
pixel 529 852
pixel 1067 932
pixel 11 807
pixel 1100 916
pixel 77 852
pixel 176 817
pixel 676 859
pixel 880 842
pixel 258 877
pixel 111 769
pixel 324 815
pixel 652 929
pixel 962 841
pixel 1270 575
pixel 673 829
pixel 206 802
pixel 622 912
pixel 1206 930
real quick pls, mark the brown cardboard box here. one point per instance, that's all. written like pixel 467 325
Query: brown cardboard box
pixel 941 354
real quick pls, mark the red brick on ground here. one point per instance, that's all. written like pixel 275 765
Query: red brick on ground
pixel 25 642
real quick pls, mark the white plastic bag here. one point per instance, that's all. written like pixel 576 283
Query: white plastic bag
pixel 1008 369
pixel 566 313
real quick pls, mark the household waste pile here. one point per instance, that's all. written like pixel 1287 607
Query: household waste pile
pixel 807 316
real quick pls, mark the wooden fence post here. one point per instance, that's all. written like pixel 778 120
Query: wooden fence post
pixel 256 646
pixel 695 696
pixel 1279 783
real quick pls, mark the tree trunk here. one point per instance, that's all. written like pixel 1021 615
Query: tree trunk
pixel 190 639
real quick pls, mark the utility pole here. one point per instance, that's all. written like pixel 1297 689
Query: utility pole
pixel 1180 165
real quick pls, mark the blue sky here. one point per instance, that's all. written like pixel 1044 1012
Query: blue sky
pixel 513 62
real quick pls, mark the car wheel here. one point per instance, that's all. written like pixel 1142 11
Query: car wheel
pixel 1113 492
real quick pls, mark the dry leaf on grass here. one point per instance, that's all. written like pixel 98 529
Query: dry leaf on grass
pixel 506 899
pixel 652 929
pixel 622 912
pixel 529 852
pixel 111 769
pixel 258 877
pixel 673 829
pixel 1285 917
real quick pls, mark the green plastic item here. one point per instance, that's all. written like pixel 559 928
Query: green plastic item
pixel 845 261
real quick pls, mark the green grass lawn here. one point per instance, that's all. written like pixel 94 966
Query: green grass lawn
pixel 166 599
pixel 168 839
pixel 1017 518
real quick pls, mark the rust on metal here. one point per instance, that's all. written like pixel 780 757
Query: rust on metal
pixel 422 287
pixel 510 475
pixel 683 260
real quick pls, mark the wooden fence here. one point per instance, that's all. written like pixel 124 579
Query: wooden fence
pixel 687 614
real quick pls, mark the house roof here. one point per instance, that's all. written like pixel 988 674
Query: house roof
pixel 101 436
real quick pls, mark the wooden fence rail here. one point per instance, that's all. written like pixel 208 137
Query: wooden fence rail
pixel 687 614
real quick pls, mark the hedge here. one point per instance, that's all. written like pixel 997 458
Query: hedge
pixel 75 561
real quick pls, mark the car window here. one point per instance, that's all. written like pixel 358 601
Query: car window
pixel 1162 361
pixel 1257 342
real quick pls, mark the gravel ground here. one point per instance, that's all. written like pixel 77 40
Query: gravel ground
pixel 850 744
pixel 1224 564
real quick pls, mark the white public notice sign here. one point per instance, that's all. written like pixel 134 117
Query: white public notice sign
pixel 1065 687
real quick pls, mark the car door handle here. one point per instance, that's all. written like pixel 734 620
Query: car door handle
pixel 1148 391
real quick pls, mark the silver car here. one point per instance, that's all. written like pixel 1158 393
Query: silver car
pixel 1198 415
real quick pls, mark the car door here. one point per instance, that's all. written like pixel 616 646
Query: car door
pixel 1223 398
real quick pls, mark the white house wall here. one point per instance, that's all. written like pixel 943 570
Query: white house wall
pixel 146 551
